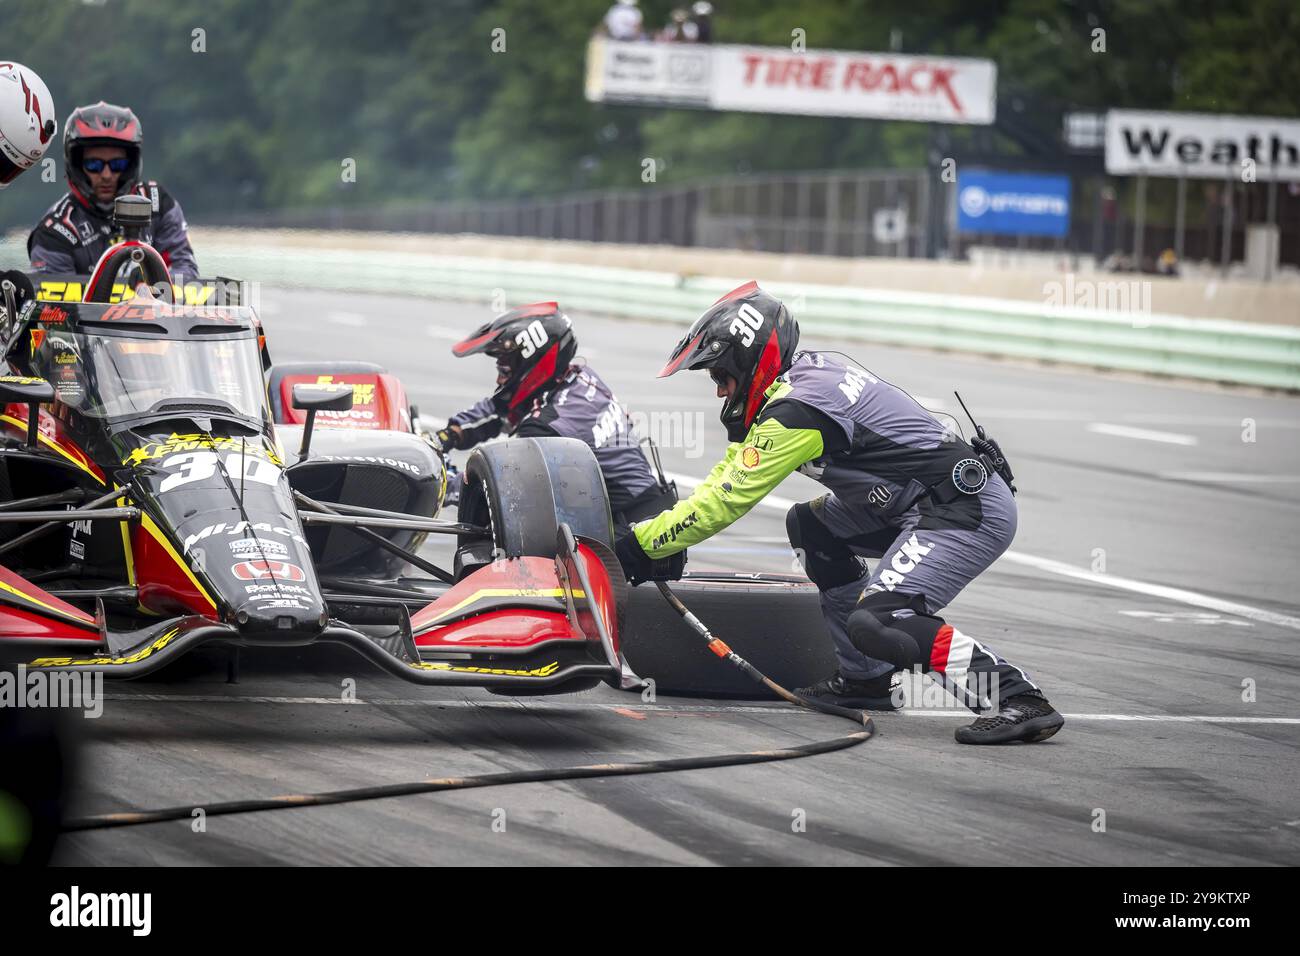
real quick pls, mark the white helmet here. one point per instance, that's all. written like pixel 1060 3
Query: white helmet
pixel 27 121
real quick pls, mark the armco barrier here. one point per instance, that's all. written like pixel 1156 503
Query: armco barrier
pixel 1219 350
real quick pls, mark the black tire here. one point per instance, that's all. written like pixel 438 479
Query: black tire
pixel 281 369
pixel 524 487
pixel 773 621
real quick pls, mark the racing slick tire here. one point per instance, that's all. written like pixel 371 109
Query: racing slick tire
pixel 774 621
pixel 523 489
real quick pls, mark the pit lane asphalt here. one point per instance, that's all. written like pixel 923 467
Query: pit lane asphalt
pixel 1126 484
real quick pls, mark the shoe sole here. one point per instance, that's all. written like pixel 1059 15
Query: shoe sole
pixel 1030 732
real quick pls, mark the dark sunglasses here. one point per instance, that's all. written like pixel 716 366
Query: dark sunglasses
pixel 720 378
pixel 119 165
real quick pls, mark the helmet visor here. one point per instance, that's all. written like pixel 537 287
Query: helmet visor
pixel 507 364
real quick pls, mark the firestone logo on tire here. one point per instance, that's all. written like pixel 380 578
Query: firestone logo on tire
pixel 267 570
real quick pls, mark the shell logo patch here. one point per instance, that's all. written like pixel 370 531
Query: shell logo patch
pixel 749 457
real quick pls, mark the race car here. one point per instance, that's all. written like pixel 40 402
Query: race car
pixel 164 487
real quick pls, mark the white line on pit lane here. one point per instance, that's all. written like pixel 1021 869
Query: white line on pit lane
pixel 352 319
pixel 1145 434
pixel 654 708
pixel 1227 476
pixel 1135 418
pixel 1179 595
pixel 1154 590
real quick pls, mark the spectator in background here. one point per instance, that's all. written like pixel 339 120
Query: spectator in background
pixel 702 18
pixel 1167 264
pixel 680 29
pixel 623 21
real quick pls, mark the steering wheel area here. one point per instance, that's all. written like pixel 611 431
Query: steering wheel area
pixel 138 258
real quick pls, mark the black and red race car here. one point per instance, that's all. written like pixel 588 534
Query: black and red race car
pixel 164 487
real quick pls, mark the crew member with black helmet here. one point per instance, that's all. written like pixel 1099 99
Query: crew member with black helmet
pixel 541 392
pixel 904 488
pixel 103 159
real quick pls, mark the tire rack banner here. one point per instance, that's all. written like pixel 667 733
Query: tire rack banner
pixel 756 79
pixel 1201 145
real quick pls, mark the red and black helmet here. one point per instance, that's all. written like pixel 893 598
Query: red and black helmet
pixel 747 334
pixel 102 124
pixel 534 346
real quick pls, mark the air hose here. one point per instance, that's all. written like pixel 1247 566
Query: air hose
pixel 288 801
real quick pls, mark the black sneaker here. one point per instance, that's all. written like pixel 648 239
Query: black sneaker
pixel 1028 717
pixel 873 694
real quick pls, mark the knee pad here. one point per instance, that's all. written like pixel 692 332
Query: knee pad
pixel 903 642
pixel 827 560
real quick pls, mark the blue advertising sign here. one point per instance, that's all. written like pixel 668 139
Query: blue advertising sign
pixel 1013 204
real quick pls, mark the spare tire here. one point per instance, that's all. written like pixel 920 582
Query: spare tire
pixel 774 621
pixel 522 488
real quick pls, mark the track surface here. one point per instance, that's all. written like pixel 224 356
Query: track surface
pixel 1155 475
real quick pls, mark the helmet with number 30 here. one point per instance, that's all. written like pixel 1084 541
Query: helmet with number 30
pixel 533 345
pixel 747 334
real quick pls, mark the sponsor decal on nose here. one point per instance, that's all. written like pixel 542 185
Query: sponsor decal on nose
pixel 265 570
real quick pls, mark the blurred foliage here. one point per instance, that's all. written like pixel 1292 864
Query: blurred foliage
pixel 284 92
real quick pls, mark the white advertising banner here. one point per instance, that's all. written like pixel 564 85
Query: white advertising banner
pixel 671 74
pixel 778 80
pixel 1202 145
pixel 868 85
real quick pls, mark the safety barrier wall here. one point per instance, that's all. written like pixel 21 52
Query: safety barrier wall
pixel 1219 350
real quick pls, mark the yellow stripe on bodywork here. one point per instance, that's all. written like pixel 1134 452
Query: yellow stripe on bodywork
pixel 53 444
pixel 155 645
pixel 127 555
pixel 504 592
pixel 49 607
pixel 148 524
pixel 546 670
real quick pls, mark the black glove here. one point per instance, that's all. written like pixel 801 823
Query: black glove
pixel 639 566
pixel 448 437
pixel 994 460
